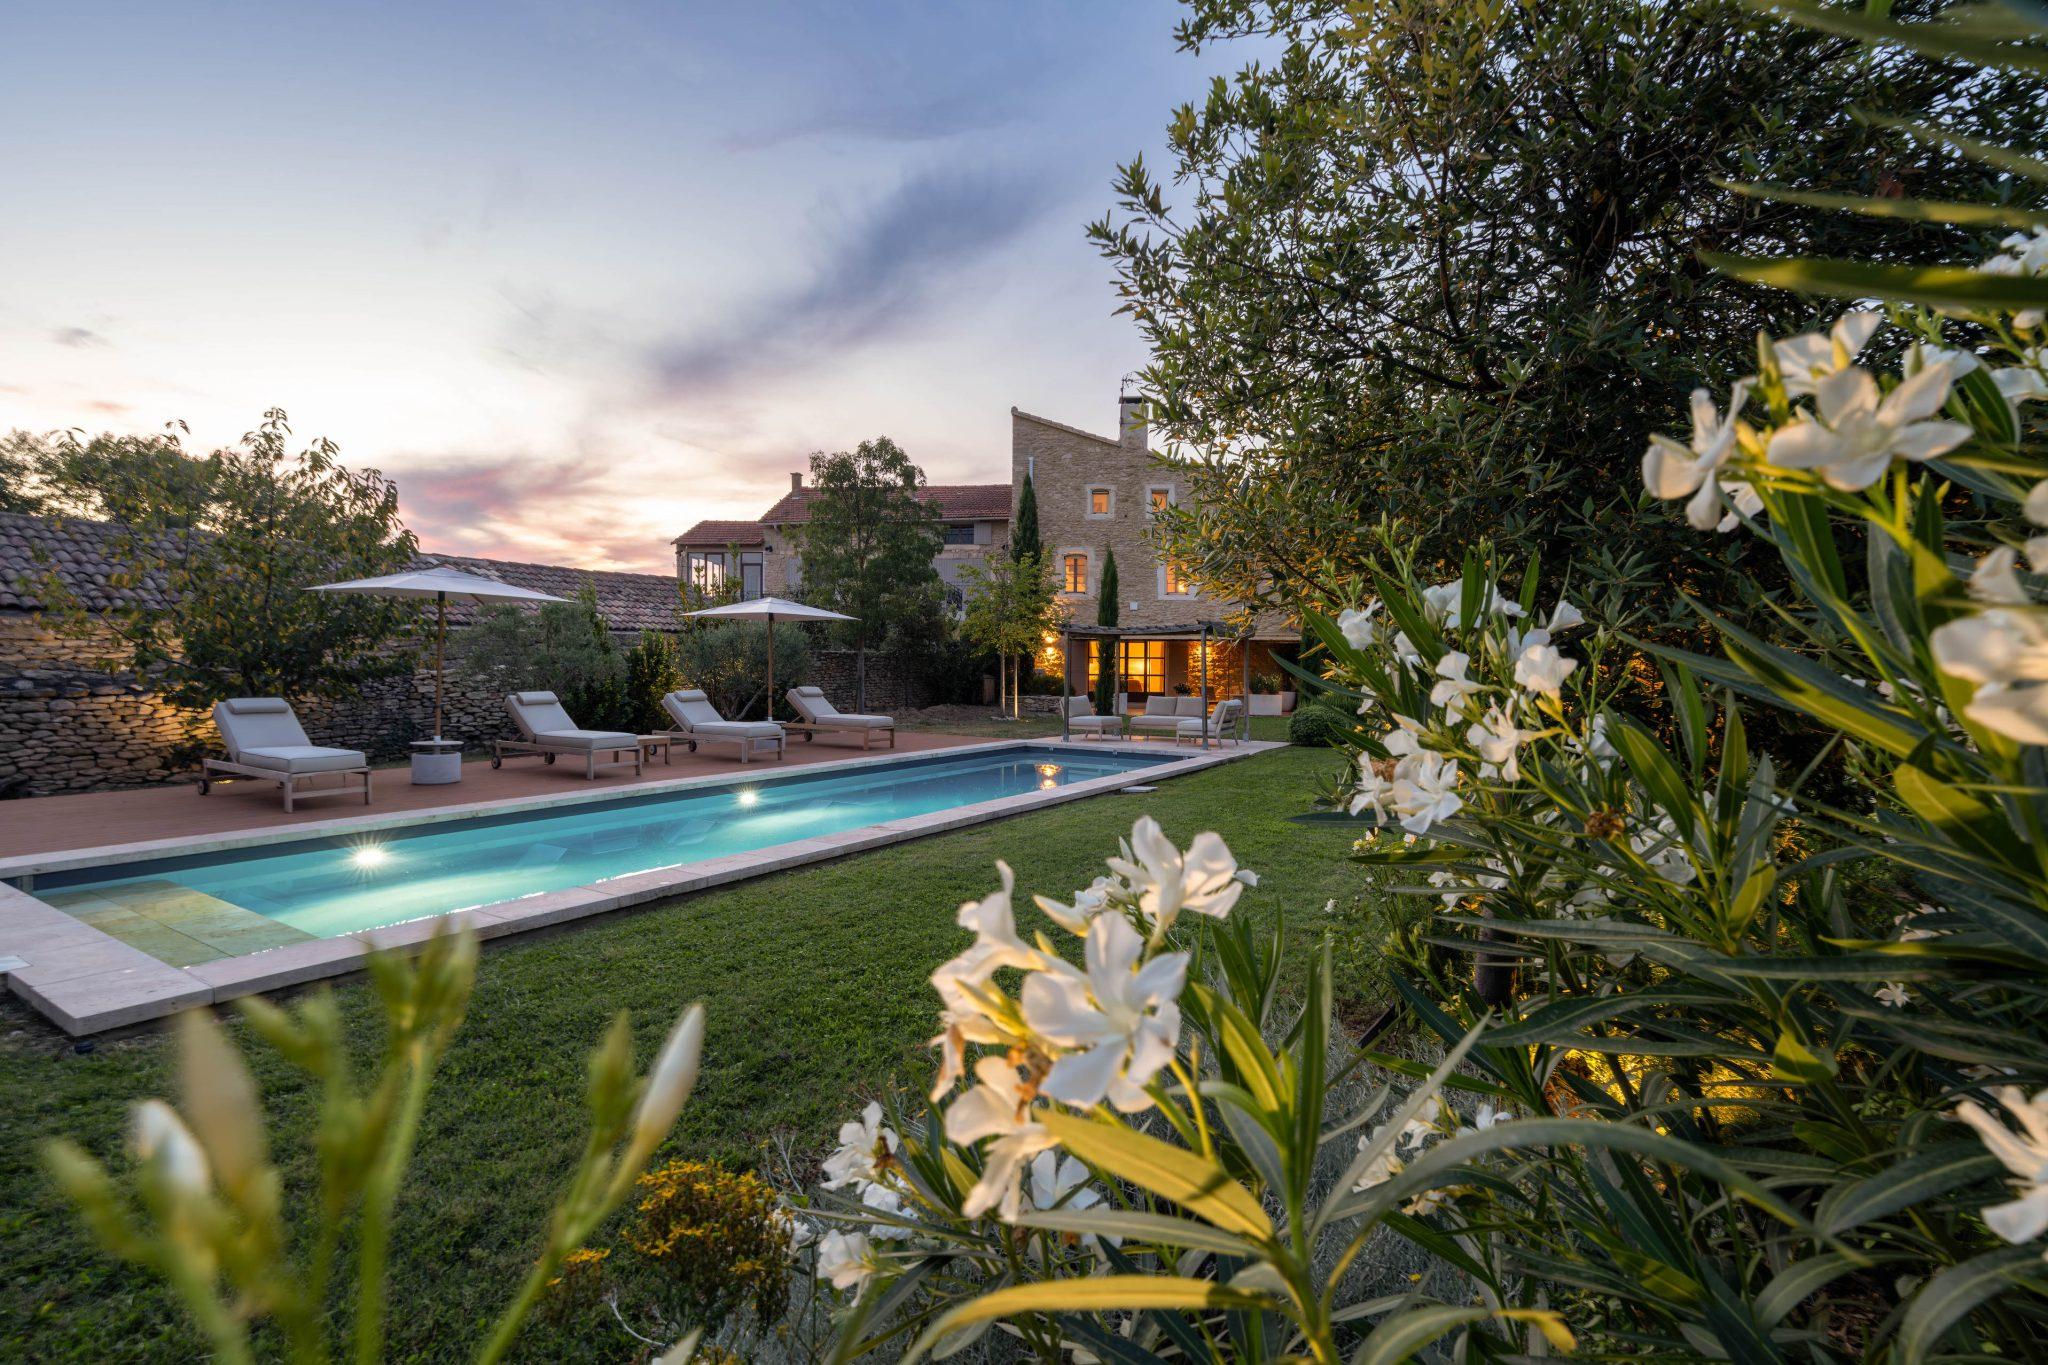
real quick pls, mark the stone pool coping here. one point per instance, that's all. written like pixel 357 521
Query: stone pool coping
pixel 87 982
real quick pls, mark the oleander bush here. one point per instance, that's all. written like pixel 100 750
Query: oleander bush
pixel 1743 1058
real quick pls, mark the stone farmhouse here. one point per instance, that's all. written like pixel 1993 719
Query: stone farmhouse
pixel 764 558
pixel 1095 494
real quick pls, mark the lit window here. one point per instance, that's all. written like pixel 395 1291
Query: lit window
pixel 1176 583
pixel 1076 579
pixel 1142 668
pixel 1162 498
pixel 1101 501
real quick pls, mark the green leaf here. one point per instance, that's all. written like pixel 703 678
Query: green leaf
pixel 1935 286
pixel 1918 1177
pixel 1793 1060
pixel 1971 33
pixel 1404 1334
pixel 1798 1282
pixel 1560 1021
pixel 1192 1181
pixel 1950 1296
pixel 1094 1294
pixel 1138 1226
pixel 1972 824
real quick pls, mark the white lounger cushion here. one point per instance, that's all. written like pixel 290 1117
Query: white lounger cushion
pixel 540 717
pixel 812 705
pixel 262 732
pixel 302 758
pixel 691 710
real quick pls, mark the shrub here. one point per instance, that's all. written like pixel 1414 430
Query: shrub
pixel 1320 723
pixel 719 1239
pixel 729 661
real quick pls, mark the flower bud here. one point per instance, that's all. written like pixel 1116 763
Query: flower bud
pixel 668 1085
pixel 164 1144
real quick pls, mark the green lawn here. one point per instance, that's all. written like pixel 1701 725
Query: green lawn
pixel 815 982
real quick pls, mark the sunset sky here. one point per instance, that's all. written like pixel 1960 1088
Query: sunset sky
pixel 576 275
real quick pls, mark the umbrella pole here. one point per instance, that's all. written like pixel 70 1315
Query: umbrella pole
pixel 771 668
pixel 440 645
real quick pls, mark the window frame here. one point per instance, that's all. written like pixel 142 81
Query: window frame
pixel 1187 585
pixel 1152 491
pixel 1088 493
pixel 1087 558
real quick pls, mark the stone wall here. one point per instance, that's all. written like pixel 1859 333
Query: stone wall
pixel 68 725
pixel 896 682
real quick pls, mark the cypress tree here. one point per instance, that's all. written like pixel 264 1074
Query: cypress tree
pixel 1106 650
pixel 1024 538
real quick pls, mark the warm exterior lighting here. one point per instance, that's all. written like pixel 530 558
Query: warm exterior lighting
pixel 749 797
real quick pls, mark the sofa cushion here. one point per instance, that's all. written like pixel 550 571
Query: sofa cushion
pixel 302 758
pixel 1189 706
pixel 1160 706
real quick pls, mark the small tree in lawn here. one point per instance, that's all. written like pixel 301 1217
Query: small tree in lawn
pixel 1009 607
pixel 868 549
pixel 1106 650
pixel 233 540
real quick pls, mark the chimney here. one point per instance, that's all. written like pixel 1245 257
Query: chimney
pixel 796 481
pixel 1131 431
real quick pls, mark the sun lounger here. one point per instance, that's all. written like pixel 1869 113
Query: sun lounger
pixel 1220 725
pixel 265 741
pixel 697 722
pixel 547 730
pixel 1082 720
pixel 822 717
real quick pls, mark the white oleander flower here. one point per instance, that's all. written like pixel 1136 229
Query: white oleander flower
pixel 1375 789
pixel 1540 668
pixel 1859 431
pixel 846 1259
pixel 1996 579
pixel 867 1147
pixel 882 1199
pixel 2005 653
pixel 1425 792
pixel 2025 1154
pixel 1445 602
pixel 1429 1122
pixel 1660 846
pixel 1745 502
pixel 2023 254
pixel 2036 505
pixel 1452 685
pixel 1894 995
pixel 999 1106
pixel 1383 1167
pixel 669 1083
pixel 1205 880
pixel 1806 360
pixel 1358 627
pixel 1564 616
pixel 1487 1116
pixel 1119 1017
pixel 1498 741
pixel 1671 470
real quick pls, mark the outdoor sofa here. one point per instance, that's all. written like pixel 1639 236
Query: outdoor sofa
pixel 1182 718
pixel 1082 720
pixel 265 741
pixel 697 722
pixel 822 717
pixel 547 730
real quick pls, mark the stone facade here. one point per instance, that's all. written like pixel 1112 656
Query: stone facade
pixel 1097 495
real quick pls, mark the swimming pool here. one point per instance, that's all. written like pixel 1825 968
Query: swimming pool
pixel 200 908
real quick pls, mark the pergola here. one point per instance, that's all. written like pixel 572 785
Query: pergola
pixel 1203 631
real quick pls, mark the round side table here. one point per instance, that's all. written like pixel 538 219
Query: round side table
pixel 436 762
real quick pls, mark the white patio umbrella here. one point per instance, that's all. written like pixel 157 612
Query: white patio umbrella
pixel 439 584
pixel 771 610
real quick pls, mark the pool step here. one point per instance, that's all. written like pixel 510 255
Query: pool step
pixel 174 923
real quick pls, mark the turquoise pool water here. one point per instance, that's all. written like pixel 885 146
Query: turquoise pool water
pixel 251 898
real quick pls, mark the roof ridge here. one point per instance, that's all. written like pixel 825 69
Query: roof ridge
pixel 1016 411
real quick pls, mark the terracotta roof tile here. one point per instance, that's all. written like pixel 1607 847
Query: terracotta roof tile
pixel 84 557
pixel 716 535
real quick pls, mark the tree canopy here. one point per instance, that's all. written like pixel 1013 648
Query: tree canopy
pixel 868 547
pixel 235 538
pixel 1437 261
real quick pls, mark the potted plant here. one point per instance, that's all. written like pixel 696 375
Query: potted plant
pixel 1270 695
